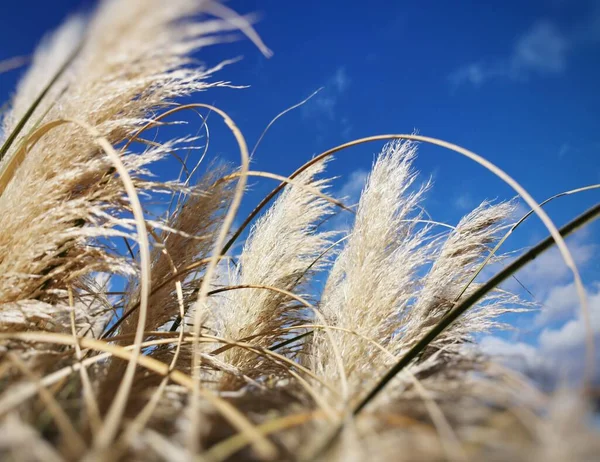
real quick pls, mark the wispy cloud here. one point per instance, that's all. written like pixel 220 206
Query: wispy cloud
pixel 351 189
pixel 349 194
pixel 464 202
pixel 564 149
pixel 340 80
pixel 542 50
pixel 325 104
pixel 561 303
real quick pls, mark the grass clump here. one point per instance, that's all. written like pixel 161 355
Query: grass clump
pixel 206 354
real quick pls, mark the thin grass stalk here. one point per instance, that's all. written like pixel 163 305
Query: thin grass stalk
pixel 212 265
pixel 88 392
pixel 73 441
pixel 263 447
pixel 281 114
pixel 111 423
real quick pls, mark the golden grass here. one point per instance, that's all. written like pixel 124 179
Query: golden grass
pixel 207 355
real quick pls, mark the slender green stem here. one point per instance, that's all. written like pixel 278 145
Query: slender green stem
pixel 291 340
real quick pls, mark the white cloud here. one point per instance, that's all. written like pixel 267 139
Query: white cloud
pixel 518 355
pixel 550 282
pixel 340 80
pixel 558 354
pixel 565 347
pixel 564 149
pixel 572 334
pixel 464 202
pixel 474 73
pixel 351 189
pixel 325 103
pixel 556 336
pixel 560 303
pixel 346 127
pixel 542 50
pixel 349 193
pixel 550 270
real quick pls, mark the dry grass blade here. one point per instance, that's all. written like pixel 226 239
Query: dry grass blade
pixel 107 433
pixel 215 258
pixel 88 392
pixel 17 396
pixel 263 447
pixel 174 252
pixel 270 351
pixel 130 329
pixel 145 414
pixel 72 439
pixel 174 277
pixel 238 22
pixel 227 448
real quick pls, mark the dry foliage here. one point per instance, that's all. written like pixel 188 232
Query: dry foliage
pixel 89 372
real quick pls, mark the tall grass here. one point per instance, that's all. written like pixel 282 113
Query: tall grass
pixel 131 335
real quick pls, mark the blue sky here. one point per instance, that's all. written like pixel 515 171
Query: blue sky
pixel 514 81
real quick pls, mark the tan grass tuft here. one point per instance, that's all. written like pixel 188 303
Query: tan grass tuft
pixel 132 334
